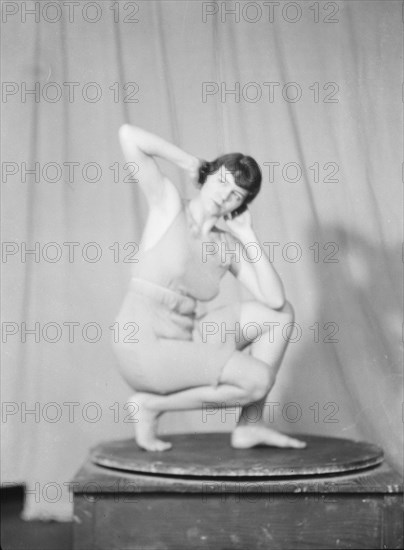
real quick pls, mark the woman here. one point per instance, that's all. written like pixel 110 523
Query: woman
pixel 179 359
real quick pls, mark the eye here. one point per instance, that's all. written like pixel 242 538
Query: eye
pixel 237 197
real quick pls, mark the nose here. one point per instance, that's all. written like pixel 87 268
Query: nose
pixel 225 194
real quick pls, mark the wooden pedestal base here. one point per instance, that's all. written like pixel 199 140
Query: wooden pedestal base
pixel 118 509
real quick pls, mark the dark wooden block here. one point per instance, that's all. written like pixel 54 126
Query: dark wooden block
pixel 118 509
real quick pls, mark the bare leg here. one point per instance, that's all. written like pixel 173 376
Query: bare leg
pixel 252 429
pixel 244 380
pixel 150 406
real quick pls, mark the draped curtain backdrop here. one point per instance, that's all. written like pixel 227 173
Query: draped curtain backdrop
pixel 331 162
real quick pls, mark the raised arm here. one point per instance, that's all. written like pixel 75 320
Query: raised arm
pixel 140 146
pixel 256 273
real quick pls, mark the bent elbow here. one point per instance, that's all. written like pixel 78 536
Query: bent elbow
pixel 129 139
pixel 124 131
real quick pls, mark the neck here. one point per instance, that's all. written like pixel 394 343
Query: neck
pixel 204 221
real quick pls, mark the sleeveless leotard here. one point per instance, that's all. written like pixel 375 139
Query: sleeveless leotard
pixel 166 348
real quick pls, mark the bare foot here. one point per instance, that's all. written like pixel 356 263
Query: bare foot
pixel 146 425
pixel 245 437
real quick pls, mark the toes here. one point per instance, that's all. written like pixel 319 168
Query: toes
pixel 299 444
pixel 286 441
pixel 166 446
pixel 162 445
pixel 156 445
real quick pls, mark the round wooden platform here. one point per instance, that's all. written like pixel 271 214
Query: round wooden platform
pixel 210 455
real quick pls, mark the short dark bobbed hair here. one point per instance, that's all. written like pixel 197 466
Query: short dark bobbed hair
pixel 245 170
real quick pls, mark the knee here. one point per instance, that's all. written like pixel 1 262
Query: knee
pixel 259 383
pixel 287 312
pixel 258 394
pixel 259 390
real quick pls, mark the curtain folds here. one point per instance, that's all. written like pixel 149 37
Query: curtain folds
pixel 330 212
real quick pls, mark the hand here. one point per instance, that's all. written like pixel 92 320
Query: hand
pixel 240 224
pixel 192 168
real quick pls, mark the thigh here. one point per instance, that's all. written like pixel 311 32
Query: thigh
pixel 241 322
pixel 222 325
pixel 256 318
pixel 166 366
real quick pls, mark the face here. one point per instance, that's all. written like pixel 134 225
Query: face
pixel 220 193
